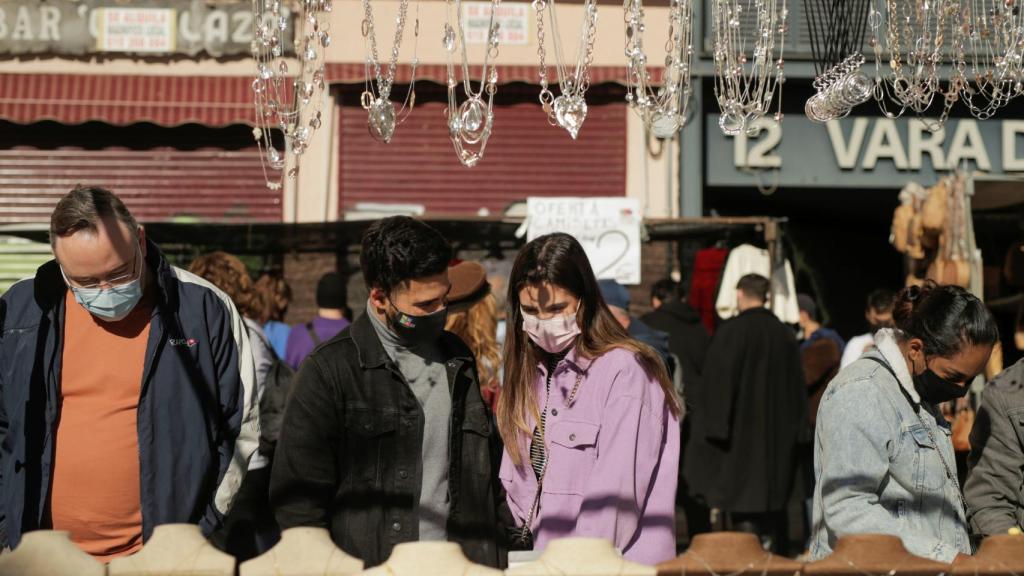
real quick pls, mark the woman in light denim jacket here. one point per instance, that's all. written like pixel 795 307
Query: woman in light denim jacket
pixel 884 461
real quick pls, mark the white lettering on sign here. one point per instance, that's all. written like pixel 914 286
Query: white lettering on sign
pixel 22 25
pixel 512 18
pixel 137 30
pixel 1011 161
pixel 871 140
pixel 760 155
pixel 607 228
pixel 885 143
pixel 49 23
pixel 968 145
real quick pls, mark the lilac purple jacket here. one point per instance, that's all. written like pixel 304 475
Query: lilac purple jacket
pixel 613 460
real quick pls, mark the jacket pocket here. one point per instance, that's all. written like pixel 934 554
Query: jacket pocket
pixel 572 451
pixel 475 443
pixel 929 472
pixel 368 430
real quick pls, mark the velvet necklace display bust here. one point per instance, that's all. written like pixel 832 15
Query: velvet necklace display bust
pixel 175 549
pixel 581 557
pixel 434 558
pixel 301 552
pixel 49 553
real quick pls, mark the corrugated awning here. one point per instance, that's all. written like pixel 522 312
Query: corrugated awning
pixel 123 100
pixel 354 73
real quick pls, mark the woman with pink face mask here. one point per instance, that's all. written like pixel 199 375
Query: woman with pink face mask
pixel 588 415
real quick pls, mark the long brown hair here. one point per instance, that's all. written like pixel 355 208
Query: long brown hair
pixel 559 260
pixel 227 272
pixel 477 325
pixel 274 295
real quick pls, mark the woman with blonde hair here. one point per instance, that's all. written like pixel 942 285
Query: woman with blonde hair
pixel 589 417
pixel 473 316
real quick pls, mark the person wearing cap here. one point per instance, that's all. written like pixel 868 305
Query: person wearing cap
pixel 617 298
pixel 473 316
pixel 330 320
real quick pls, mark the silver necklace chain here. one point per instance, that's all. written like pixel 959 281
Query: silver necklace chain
pixel 746 84
pixel 663 110
pixel 376 97
pixel 470 124
pixel 569 109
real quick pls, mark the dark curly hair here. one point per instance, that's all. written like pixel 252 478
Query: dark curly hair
pixel 945 318
pixel 399 249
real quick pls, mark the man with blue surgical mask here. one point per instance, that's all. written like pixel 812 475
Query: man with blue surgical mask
pixel 127 388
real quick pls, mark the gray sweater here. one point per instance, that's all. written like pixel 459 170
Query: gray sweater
pixel 995 483
pixel 424 371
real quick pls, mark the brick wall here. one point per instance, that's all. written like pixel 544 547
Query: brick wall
pixel 302 272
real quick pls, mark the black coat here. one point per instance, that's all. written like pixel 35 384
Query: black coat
pixel 348 458
pixel 688 339
pixel 748 409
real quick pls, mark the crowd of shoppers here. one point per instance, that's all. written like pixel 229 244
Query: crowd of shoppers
pixel 131 394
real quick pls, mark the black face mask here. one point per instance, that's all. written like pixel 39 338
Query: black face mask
pixel 418 329
pixel 934 389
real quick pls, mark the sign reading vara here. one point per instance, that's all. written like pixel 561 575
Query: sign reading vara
pixel 863 151
pixel 126 26
pixel 513 20
pixel 608 229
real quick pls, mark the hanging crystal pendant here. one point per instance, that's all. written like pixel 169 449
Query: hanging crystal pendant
pixel 570 112
pixel 449 38
pixel 665 125
pixel 474 120
pixel 382 120
pixel 274 158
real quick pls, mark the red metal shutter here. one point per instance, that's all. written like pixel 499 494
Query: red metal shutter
pixel 525 157
pixel 157 185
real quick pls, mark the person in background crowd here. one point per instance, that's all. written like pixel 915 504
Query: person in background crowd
pixel 473 316
pixel 588 415
pixel 275 295
pixel 884 461
pixel 820 353
pixel 687 337
pixel 249 530
pixel 748 410
pixel 386 438
pixel 616 296
pixel 330 320
pixel 995 483
pixel 879 315
pixel 688 341
pixel 127 388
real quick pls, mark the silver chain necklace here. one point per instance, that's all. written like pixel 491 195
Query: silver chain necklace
pixel 569 110
pixel 469 125
pixel 376 98
pixel 663 110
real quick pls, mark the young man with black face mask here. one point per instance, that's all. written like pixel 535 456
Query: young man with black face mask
pixel 386 438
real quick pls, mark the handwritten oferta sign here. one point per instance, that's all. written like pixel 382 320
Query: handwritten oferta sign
pixel 608 229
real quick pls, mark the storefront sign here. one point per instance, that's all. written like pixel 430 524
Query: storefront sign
pixel 862 151
pixel 136 30
pixel 126 26
pixel 513 19
pixel 608 229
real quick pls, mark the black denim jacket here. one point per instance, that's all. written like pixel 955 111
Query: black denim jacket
pixel 348 458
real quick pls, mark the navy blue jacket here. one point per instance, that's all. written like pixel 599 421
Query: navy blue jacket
pixel 197 425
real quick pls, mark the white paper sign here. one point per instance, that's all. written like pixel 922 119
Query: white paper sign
pixel 136 30
pixel 608 229
pixel 513 19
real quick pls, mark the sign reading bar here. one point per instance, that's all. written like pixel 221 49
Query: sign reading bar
pixel 608 229
pixel 864 151
pixel 513 19
pixel 127 26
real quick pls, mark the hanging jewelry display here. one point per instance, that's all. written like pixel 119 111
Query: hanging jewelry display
pixel 988 52
pixel 470 124
pixel 376 97
pixel 291 104
pixel 745 87
pixel 915 39
pixel 663 109
pixel 569 109
pixel 837 29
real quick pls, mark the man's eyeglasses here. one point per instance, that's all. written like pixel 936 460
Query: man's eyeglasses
pixel 124 278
